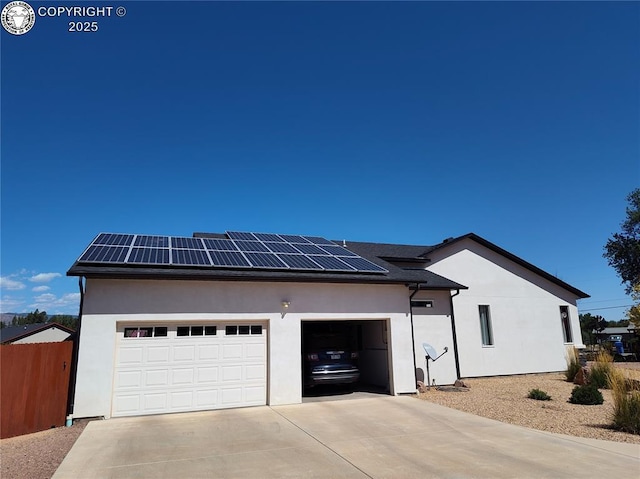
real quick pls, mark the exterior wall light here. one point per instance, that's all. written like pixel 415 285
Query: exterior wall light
pixel 286 304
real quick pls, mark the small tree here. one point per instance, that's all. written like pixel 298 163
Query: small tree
pixel 622 251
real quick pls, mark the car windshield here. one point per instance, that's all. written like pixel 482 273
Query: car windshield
pixel 328 341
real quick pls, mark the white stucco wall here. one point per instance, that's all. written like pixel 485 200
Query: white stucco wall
pixel 49 335
pixel 433 326
pixel 524 309
pixel 110 301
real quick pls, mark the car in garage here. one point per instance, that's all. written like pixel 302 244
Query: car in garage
pixel 329 358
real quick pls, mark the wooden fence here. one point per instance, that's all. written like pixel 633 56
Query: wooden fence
pixel 34 386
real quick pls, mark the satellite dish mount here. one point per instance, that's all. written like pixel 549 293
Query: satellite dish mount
pixel 432 355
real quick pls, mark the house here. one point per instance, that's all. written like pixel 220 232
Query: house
pixel 35 333
pixel 626 335
pixel 172 324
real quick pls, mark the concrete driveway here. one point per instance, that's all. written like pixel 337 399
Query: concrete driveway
pixel 383 437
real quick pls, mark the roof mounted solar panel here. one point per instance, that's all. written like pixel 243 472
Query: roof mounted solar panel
pixel 254 246
pixel 152 241
pixel 309 249
pixel 242 250
pixel 269 237
pixel 149 256
pixel 337 250
pixel 113 239
pixel 319 240
pixel 190 257
pixel 105 254
pixel 237 235
pixel 299 261
pixel 362 264
pixel 186 243
pixel 331 263
pixel 282 248
pixel 229 258
pixel 219 244
pixel 294 239
pixel 265 260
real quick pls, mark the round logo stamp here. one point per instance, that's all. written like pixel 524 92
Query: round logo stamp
pixel 18 17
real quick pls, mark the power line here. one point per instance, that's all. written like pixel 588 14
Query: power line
pixel 610 307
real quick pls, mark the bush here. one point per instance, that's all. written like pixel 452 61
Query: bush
pixel 601 370
pixel 539 395
pixel 573 364
pixel 587 394
pixel 626 402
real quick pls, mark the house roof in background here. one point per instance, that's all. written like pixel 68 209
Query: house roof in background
pixel 516 259
pixel 15 333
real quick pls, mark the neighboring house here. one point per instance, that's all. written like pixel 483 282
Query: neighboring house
pixel 611 335
pixel 35 333
pixel 215 320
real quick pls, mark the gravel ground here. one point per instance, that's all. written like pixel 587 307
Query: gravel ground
pixel 505 399
pixel 38 455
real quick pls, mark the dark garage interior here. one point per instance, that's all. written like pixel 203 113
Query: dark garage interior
pixel 340 357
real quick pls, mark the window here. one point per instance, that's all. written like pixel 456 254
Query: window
pixel 182 331
pixel 243 329
pixel 566 324
pixel 256 329
pixel 160 331
pixel 230 330
pixel 422 303
pixel 137 332
pixel 209 330
pixel 485 325
pixel 197 330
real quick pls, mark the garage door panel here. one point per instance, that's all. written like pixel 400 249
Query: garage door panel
pixel 157 378
pixel 255 351
pixel 181 399
pixel 155 401
pixel 232 351
pixel 207 398
pixel 172 373
pixel 129 379
pixel 182 377
pixel 131 355
pixel 254 394
pixel 184 353
pixel 158 354
pixel 254 372
pixel 207 375
pixel 208 352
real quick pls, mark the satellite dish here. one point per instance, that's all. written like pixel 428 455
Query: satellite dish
pixel 430 350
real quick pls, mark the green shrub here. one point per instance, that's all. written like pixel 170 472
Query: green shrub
pixel 626 402
pixel 573 364
pixel 601 370
pixel 587 394
pixel 539 395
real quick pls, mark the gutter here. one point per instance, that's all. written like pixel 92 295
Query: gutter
pixel 74 354
pixel 453 333
pixel 413 340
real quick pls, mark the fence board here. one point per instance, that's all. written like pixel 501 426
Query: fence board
pixel 34 385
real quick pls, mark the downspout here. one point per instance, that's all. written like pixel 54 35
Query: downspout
pixel 74 354
pixel 413 341
pixel 453 333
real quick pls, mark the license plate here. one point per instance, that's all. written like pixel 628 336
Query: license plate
pixel 335 356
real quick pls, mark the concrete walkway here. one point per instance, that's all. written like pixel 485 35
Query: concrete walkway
pixel 384 437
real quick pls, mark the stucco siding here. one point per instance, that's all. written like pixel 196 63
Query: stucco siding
pixel 524 310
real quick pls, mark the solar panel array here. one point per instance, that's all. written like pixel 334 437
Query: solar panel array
pixel 241 250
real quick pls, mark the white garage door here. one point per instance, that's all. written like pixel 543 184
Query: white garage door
pixel 189 367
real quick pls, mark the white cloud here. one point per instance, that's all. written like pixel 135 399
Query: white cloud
pixel 44 277
pixel 11 284
pixel 40 289
pixel 66 304
pixel 10 304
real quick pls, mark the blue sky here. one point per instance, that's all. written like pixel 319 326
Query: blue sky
pixel 373 121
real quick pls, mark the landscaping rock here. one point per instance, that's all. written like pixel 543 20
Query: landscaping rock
pixel 460 384
pixel 581 377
